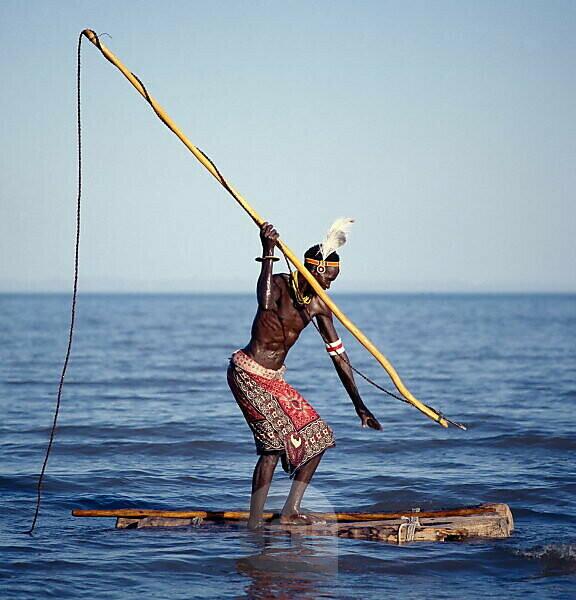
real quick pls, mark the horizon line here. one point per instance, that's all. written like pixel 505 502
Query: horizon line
pixel 496 292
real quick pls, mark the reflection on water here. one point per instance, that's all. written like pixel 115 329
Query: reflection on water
pixel 292 569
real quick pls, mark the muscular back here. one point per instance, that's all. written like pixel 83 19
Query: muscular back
pixel 275 330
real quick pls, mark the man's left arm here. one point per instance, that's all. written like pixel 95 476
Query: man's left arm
pixel 341 363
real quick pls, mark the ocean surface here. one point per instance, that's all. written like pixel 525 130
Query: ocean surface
pixel 147 420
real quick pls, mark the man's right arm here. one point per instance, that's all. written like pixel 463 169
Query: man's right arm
pixel 265 291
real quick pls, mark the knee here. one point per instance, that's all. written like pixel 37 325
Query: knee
pixel 268 460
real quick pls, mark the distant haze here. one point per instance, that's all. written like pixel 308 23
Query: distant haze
pixel 447 129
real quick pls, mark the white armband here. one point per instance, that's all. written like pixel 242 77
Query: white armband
pixel 335 348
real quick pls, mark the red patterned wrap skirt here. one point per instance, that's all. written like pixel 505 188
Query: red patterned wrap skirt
pixel 280 418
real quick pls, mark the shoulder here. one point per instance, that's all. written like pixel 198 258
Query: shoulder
pixel 281 279
pixel 281 282
pixel 321 309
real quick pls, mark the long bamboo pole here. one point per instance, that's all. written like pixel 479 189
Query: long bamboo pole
pixel 207 163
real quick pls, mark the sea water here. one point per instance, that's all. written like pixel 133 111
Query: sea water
pixel 147 421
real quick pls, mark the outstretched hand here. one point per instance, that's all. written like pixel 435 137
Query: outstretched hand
pixel 369 420
pixel 268 236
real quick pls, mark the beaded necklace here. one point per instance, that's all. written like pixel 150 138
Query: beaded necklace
pixel 300 298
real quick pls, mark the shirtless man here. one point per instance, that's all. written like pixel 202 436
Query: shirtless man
pixel 283 423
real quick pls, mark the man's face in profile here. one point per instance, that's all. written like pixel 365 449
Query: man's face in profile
pixel 326 277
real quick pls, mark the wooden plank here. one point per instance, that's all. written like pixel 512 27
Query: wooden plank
pixel 270 516
pixel 143 522
pixel 482 526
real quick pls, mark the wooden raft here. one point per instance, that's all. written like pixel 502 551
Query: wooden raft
pixel 457 524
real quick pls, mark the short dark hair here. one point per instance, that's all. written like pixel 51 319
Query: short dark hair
pixel 315 253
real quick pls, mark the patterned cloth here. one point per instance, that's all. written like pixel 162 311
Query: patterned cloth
pixel 279 417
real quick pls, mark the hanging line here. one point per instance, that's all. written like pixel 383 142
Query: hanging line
pixel 74 298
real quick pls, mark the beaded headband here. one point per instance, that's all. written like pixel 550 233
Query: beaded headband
pixel 321 264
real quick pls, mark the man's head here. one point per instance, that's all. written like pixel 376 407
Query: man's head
pixel 325 270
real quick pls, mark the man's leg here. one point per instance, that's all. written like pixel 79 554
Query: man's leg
pixel 261 480
pixel 291 510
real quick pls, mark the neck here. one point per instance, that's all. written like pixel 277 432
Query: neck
pixel 304 286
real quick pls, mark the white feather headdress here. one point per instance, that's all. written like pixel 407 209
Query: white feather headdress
pixel 336 236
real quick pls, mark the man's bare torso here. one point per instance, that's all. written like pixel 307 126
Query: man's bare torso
pixel 276 330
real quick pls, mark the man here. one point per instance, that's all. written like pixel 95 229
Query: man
pixel 283 423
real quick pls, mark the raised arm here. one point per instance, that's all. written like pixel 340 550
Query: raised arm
pixel 265 287
pixel 342 366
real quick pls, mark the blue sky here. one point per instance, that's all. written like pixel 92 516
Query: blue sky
pixel 447 129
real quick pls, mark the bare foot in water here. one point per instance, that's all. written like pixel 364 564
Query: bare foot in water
pixel 302 519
